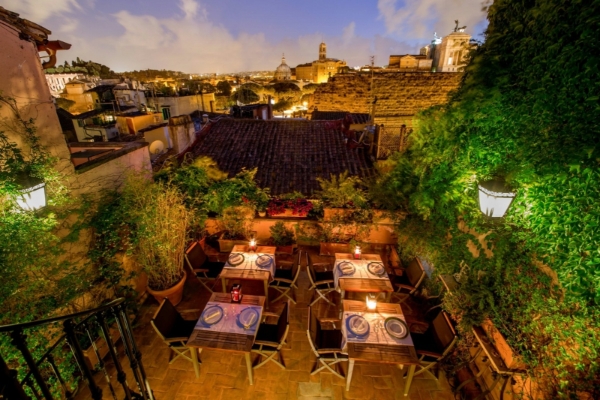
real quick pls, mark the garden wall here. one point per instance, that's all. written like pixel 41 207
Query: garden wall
pixel 400 95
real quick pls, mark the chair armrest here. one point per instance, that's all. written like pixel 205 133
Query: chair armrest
pixel 283 280
pixel 270 314
pixel 429 354
pixel 403 286
pixel 182 339
pixel 397 271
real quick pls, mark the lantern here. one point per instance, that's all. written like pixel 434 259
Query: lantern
pixel 357 252
pixel 371 302
pixel 494 198
pixel 32 193
pixel 252 246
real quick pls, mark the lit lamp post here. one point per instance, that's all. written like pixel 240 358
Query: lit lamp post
pixel 32 193
pixel 494 198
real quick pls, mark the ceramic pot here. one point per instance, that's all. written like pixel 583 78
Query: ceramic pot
pixel 174 294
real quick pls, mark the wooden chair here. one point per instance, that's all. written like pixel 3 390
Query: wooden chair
pixel 326 344
pixel 433 345
pixel 322 282
pixel 285 279
pixel 174 331
pixel 204 269
pixel 410 281
pixel 270 338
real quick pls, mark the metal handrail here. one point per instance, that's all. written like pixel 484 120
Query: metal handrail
pixel 96 316
pixel 31 324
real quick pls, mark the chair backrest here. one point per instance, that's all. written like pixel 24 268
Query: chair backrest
pixel 166 319
pixel 296 267
pixel 443 331
pixel 311 270
pixel 283 322
pixel 415 273
pixel 314 329
pixel 195 256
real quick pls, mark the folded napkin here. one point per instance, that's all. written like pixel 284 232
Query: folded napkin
pixel 236 258
pixel 211 316
pixel 347 268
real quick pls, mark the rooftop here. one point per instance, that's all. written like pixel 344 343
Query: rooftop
pixel 357 118
pixel 289 155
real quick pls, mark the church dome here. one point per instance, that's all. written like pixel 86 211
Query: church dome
pixel 283 72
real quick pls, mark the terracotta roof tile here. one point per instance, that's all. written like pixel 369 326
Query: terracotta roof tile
pixel 289 155
pixel 357 118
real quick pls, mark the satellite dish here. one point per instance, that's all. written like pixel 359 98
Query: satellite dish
pixel 156 147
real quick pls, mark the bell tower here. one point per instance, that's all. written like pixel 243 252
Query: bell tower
pixel 322 51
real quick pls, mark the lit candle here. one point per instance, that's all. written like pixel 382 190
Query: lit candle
pixel 252 244
pixel 357 252
pixel 371 301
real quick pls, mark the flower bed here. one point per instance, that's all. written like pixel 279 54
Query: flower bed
pixel 289 208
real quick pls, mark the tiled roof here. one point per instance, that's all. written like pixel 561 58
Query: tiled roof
pixel 289 155
pixel 357 118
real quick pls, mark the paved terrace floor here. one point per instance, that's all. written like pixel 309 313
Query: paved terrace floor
pixel 223 375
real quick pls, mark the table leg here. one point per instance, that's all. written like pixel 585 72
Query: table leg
pixel 194 354
pixel 409 378
pixel 266 283
pixel 388 297
pixel 224 284
pixel 249 366
pixel 350 370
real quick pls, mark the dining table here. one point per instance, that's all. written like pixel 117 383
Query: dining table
pixel 387 339
pixel 359 275
pixel 251 266
pixel 228 326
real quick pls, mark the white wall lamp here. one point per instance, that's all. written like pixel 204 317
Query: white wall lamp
pixel 494 198
pixel 32 193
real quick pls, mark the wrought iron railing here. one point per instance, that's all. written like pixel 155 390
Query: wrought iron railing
pixel 91 324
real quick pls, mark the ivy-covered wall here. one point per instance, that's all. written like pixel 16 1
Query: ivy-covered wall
pixel 527 110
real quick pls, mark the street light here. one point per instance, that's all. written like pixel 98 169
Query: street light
pixel 494 198
pixel 32 193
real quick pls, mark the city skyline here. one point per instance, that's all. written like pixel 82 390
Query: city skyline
pixel 228 36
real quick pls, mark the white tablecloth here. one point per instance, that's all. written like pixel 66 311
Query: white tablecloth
pixel 361 270
pixel 250 264
pixel 377 332
pixel 228 322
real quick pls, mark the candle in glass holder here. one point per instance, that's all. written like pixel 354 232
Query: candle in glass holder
pixel 252 245
pixel 357 252
pixel 371 301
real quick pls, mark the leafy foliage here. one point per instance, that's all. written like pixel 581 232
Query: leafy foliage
pixel 527 110
pixel 342 191
pixel 281 235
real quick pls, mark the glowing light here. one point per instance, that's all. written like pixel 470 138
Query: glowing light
pixel 357 252
pixel 494 198
pixel 371 302
pixel 32 194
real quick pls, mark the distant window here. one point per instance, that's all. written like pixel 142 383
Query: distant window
pixel 80 123
pixel 166 113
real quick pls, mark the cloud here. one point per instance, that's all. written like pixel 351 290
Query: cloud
pixel 190 42
pixel 40 10
pixel 417 20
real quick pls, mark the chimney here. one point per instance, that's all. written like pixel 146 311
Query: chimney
pixel 270 107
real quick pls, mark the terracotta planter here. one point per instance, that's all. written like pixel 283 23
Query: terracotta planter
pixel 510 358
pixel 174 294
pixel 329 249
pixel 262 214
pixel 288 213
pixel 330 213
pixel 286 249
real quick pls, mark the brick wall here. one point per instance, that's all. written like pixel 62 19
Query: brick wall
pixel 400 95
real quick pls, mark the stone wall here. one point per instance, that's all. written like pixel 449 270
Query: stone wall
pixel 400 95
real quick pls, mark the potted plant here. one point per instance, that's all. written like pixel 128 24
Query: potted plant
pixel 283 238
pixel 291 205
pixel 235 222
pixel 341 194
pixel 161 220
pixel 338 231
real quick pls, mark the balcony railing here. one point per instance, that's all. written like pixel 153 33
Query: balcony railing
pixel 90 324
